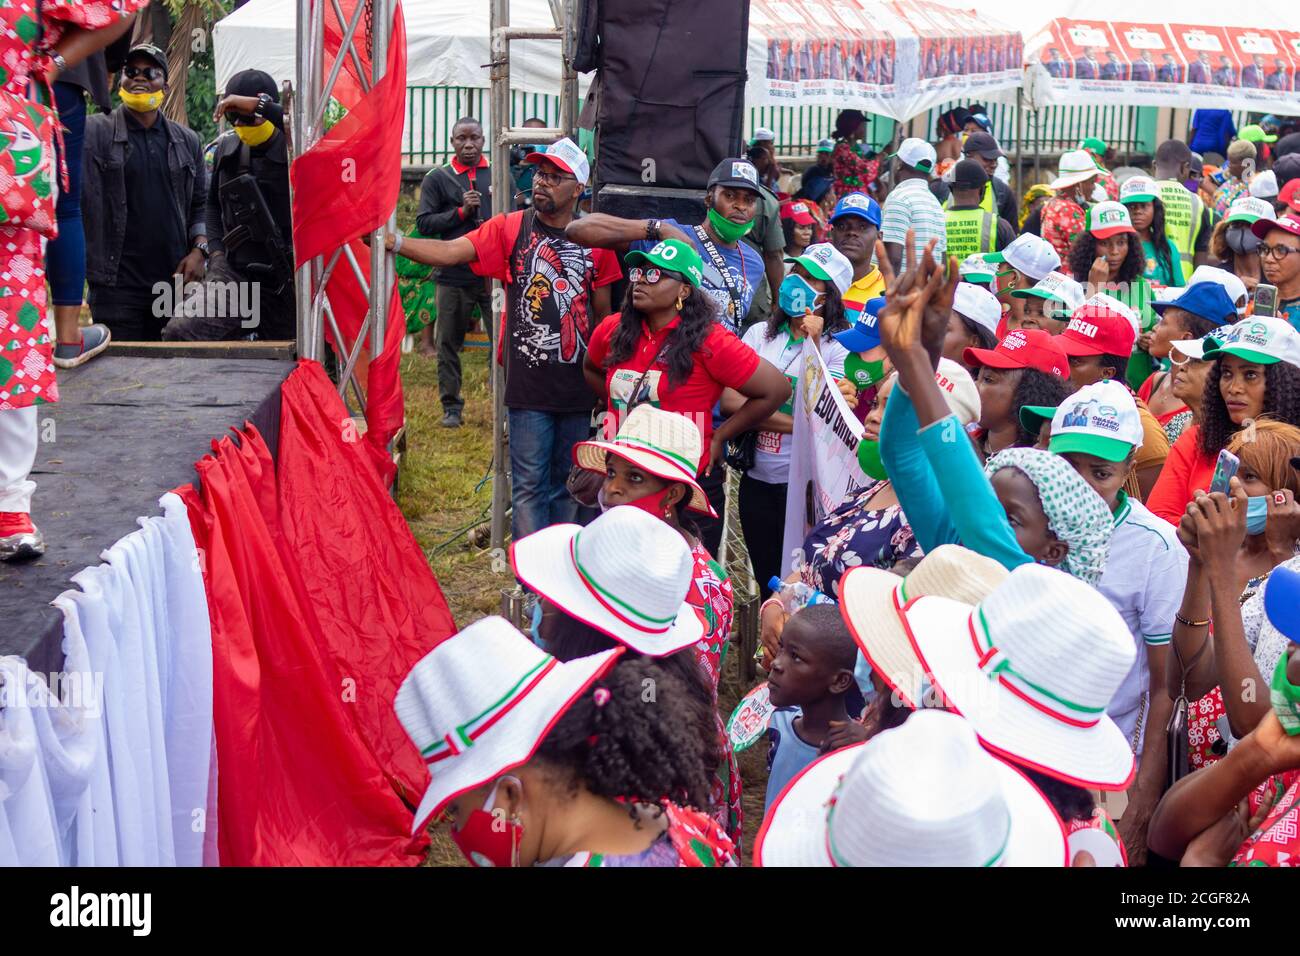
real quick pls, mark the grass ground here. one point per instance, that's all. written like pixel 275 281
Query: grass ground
pixel 443 495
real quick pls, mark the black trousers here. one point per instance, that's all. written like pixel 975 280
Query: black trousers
pixel 762 519
pixel 455 315
pixel 128 316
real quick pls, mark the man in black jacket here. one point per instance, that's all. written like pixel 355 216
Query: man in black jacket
pixel 144 186
pixel 454 201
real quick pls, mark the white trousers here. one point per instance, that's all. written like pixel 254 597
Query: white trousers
pixel 18 438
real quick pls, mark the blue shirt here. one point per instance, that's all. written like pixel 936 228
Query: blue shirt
pixel 744 264
pixel 788 754
pixel 1214 129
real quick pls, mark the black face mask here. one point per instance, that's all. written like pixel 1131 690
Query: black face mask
pixel 1241 240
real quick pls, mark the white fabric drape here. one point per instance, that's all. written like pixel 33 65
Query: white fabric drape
pixel 114 764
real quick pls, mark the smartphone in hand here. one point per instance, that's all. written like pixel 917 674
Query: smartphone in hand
pixel 1265 300
pixel 1224 469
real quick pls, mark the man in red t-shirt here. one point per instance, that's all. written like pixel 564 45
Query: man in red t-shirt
pixel 556 293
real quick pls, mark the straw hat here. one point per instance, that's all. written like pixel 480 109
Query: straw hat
pixel 660 443
pixel 1033 668
pixel 922 794
pixel 481 702
pixel 871 602
pixel 626 574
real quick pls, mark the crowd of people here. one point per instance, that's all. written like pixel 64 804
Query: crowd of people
pixel 1053 626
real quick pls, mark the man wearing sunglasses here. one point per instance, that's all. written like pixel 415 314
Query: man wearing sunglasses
pixel 1279 260
pixel 143 210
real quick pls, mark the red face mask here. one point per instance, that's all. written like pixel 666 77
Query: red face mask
pixel 487 838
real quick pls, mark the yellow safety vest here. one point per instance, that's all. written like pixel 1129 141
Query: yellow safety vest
pixel 971 231
pixel 986 201
pixel 1183 210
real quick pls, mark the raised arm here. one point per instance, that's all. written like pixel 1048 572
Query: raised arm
pixel 432 252
pixel 604 231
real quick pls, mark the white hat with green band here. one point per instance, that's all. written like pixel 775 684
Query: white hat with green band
pixel 1250 210
pixel 1260 339
pixel 481 702
pixel 664 444
pixel 1055 287
pixel 1033 667
pixel 922 794
pixel 627 574
pixel 1099 419
pixel 823 261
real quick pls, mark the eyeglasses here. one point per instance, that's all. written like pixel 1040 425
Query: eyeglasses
pixel 648 276
pixel 552 179
pixel 148 72
pixel 1276 252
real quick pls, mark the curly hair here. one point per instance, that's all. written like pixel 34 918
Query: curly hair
pixel 1281 402
pixel 642 744
pixel 1070 802
pixel 1083 253
pixel 698 315
pixel 833 318
pixel 1036 388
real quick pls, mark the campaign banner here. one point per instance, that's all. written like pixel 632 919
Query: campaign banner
pixel 824 470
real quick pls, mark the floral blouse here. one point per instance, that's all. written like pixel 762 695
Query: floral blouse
pixel 853 174
pixel 853 535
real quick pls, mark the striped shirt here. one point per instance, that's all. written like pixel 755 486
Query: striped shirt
pixel 911 205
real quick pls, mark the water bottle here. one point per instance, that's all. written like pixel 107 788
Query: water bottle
pixel 795 596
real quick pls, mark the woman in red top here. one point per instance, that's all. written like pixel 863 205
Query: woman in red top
pixel 667 348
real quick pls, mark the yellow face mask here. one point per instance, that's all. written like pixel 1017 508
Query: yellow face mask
pixel 141 102
pixel 255 135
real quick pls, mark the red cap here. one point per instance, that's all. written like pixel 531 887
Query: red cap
pixel 797 211
pixel 1095 329
pixel 1023 348
pixel 1286 223
pixel 1288 194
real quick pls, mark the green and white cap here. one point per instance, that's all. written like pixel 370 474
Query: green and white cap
pixel 1055 287
pixel 974 268
pixel 1259 339
pixel 673 255
pixel 1139 189
pixel 918 154
pixel 1250 210
pixel 827 263
pixel 1099 419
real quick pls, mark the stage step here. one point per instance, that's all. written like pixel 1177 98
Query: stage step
pixel 237 349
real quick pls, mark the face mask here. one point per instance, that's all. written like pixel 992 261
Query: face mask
pixel 727 230
pixel 654 505
pixel 141 102
pixel 869 460
pixel 1191 185
pixel 796 296
pixel 861 373
pixel 1256 514
pixel 1241 240
pixel 487 839
pixel 255 135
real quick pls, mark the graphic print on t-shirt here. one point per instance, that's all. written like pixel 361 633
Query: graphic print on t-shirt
pixel 624 380
pixel 553 321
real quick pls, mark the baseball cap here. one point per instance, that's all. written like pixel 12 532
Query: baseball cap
pixel 983 144
pixel 673 255
pixel 857 204
pixel 797 211
pixel 826 146
pixel 1249 209
pixel 1055 287
pixel 1108 219
pixel 1235 288
pixel 826 263
pixel 1139 189
pixel 1254 133
pixel 1099 419
pixel 1285 169
pixel 1101 326
pixel 974 269
pixel 1287 223
pixel 762 135
pixel 978 304
pixel 865 334
pixel 1264 186
pixel 969 174
pixel 918 154
pixel 1194 348
pixel 1206 300
pixel 250 83
pixel 1075 166
pixel 1094 145
pixel 736 172
pixel 1260 339
pixel 959 389
pixel 1288 195
pixel 155 54
pixel 1023 348
pixel 569 156
pixel 1030 254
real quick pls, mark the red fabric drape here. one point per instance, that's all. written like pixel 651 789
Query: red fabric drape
pixel 320 602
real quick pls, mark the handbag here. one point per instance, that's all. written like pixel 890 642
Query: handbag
pixel 741 450
pixel 1178 745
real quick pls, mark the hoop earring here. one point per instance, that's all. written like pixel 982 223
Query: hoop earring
pixel 680 300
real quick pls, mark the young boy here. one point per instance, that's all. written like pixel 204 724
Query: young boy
pixel 808 683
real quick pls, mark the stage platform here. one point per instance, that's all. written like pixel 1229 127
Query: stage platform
pixel 128 429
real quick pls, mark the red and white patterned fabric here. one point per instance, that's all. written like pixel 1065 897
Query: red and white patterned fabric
pixel 1276 841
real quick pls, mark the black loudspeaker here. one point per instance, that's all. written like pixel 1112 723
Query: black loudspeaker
pixel 671 91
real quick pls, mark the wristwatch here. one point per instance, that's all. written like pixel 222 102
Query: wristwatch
pixel 203 248
pixel 263 100
pixel 59 61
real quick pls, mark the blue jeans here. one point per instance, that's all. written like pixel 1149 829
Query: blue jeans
pixel 65 257
pixel 541 453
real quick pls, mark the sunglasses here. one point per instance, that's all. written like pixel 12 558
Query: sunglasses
pixel 148 72
pixel 648 276
pixel 552 179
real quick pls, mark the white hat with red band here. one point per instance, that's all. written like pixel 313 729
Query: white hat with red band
pixel 566 154
pixel 922 794
pixel 481 702
pixel 663 444
pixel 1033 668
pixel 627 574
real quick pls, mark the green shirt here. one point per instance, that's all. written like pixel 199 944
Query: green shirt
pixel 1156 271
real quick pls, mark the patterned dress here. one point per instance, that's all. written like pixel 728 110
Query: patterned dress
pixel 691 840
pixel 1062 220
pixel 1276 841
pixel 853 174
pixel 852 535
pixel 27 186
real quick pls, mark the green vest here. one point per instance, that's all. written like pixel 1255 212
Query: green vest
pixel 971 231
pixel 1182 220
pixel 986 200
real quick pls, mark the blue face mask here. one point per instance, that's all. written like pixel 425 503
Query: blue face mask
pixel 1256 514
pixel 796 296
pixel 534 627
